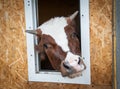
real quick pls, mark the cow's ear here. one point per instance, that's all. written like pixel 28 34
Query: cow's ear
pixel 37 32
pixel 71 17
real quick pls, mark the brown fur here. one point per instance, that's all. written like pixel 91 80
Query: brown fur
pixel 73 39
pixel 53 51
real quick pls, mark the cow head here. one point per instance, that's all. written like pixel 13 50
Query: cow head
pixel 58 41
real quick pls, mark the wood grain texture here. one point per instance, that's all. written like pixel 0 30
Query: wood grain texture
pixel 13 55
pixel 101 41
pixel 13 58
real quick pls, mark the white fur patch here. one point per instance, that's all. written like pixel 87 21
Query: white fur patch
pixel 55 28
pixel 73 61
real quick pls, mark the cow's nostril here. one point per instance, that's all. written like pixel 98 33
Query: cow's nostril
pixel 75 59
pixel 66 66
pixel 79 61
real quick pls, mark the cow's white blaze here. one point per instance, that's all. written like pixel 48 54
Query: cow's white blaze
pixel 55 28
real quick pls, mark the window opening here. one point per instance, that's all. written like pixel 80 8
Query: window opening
pixel 48 9
pixel 39 11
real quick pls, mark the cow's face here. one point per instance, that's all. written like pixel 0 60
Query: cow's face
pixel 59 41
pixel 73 64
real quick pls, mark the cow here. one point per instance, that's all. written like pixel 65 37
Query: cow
pixel 58 40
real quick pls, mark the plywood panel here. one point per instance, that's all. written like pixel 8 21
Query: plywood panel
pixel 101 41
pixel 13 56
pixel 13 60
pixel 65 86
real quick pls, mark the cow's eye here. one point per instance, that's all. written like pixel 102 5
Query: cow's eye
pixel 47 46
pixel 74 35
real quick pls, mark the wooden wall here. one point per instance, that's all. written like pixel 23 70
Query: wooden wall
pixel 13 58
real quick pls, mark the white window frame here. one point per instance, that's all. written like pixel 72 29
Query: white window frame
pixel 43 76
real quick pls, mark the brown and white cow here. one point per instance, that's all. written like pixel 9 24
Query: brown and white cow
pixel 58 41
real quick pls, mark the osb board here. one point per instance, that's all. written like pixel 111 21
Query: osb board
pixel 101 41
pixel 13 57
pixel 13 60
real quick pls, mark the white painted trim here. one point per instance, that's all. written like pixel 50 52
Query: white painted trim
pixel 30 38
pixel 85 37
pixel 33 70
